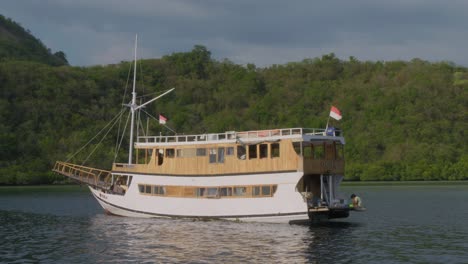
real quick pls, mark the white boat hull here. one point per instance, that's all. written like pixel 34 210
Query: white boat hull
pixel 284 206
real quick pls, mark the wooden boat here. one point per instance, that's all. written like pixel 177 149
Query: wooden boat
pixel 275 175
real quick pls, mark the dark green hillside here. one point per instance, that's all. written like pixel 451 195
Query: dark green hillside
pixel 16 43
pixel 403 120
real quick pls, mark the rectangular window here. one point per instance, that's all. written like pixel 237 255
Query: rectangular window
pixel 266 190
pixel 212 155
pixel 212 192
pixel 141 188
pixel 275 150
pixel 307 151
pixel 147 188
pixel 156 189
pixel 186 153
pixel 256 191
pixel 339 151
pixel 162 190
pixel 263 151
pixel 200 192
pixel 220 155
pixel 170 153
pixel 241 152
pixel 252 151
pixel 319 152
pixel 229 151
pixel 201 152
pixel 240 191
pixel 225 191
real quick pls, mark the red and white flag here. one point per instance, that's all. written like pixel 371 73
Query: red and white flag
pixel 335 113
pixel 162 119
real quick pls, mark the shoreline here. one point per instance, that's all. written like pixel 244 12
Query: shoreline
pixel 402 183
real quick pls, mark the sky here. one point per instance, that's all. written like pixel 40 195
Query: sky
pixel 262 32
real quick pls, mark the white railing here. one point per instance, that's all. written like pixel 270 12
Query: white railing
pixel 232 135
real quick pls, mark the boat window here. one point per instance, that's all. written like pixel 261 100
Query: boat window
pixel 297 148
pixel 263 151
pixel 225 191
pixel 212 192
pixel 186 153
pixel 147 188
pixel 229 151
pixel 200 192
pixel 339 151
pixel 307 150
pixel 275 150
pixel 141 188
pixel 330 151
pixel 159 190
pixel 318 152
pixel 252 151
pixel 170 153
pixel 220 155
pixel 240 191
pixel 273 191
pixel 266 190
pixel 201 152
pixel 241 152
pixel 212 155
pixel 256 191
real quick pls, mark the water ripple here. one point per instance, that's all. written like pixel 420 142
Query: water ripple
pixel 384 234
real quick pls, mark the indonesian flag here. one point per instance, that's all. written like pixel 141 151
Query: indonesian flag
pixel 335 113
pixel 162 119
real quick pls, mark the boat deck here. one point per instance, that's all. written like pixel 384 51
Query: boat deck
pixel 87 175
pixel 241 136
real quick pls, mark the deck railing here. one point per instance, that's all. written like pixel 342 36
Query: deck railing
pixel 87 175
pixel 230 135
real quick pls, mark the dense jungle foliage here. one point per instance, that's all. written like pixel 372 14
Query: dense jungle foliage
pixel 403 120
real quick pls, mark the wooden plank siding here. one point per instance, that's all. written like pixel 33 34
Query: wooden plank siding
pixel 288 160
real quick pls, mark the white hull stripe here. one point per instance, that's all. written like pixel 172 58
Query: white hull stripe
pixel 192 216
pixel 198 175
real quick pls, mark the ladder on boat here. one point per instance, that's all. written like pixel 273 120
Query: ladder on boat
pixel 83 174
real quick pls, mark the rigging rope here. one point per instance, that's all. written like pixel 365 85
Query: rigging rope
pixel 97 145
pixel 123 106
pixel 121 139
pixel 112 120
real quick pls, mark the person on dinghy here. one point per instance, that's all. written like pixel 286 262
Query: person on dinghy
pixel 357 202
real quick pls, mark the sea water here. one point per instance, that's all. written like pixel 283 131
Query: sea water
pixel 402 224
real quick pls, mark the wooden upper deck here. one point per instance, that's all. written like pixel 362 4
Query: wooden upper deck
pixel 313 151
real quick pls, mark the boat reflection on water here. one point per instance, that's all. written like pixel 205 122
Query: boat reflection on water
pixel 137 239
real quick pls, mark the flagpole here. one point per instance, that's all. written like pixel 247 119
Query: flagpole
pixel 326 128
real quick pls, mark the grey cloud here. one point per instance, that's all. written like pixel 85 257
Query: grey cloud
pixel 261 32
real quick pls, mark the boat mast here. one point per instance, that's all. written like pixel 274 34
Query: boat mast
pixel 133 106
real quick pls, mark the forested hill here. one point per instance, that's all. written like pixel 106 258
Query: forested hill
pixel 403 120
pixel 16 43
